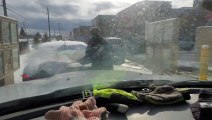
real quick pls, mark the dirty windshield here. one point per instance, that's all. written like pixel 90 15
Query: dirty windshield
pixel 42 40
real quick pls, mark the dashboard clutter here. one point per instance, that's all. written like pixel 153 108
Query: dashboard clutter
pixel 161 95
pixel 118 101
pixel 116 96
pixel 79 110
pixel 116 107
pixel 202 109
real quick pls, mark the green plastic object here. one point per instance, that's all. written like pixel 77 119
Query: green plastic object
pixel 106 93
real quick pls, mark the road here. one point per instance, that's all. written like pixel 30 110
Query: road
pixel 190 59
pixel 189 64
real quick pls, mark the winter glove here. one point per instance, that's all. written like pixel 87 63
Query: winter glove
pixel 162 95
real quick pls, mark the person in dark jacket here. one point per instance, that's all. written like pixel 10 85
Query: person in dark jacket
pixel 98 51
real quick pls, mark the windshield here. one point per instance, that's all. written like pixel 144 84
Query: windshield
pixel 46 39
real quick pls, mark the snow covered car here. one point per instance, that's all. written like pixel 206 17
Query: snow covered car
pixel 119 49
pixel 53 57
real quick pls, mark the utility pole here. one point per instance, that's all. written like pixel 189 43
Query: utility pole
pixel 49 23
pixel 4 7
pixel 59 28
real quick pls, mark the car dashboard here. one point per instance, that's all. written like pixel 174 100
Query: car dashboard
pixel 181 111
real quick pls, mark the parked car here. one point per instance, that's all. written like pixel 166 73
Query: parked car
pixel 119 49
pixel 53 57
pixel 186 45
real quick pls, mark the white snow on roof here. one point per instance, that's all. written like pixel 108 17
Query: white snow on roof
pixel 112 38
pixel 57 44
pixel 22 40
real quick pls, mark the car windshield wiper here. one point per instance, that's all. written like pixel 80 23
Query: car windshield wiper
pixel 145 83
pixel 193 83
pixel 134 84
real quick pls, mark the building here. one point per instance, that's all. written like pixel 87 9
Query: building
pixel 70 37
pixel 105 23
pixel 81 34
pixel 197 4
pixel 75 33
pixel 190 19
pixel 132 20
pixel 84 33
pixel 9 50
pixel 130 23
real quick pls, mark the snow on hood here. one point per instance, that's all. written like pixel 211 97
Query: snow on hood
pixel 48 52
pixel 57 44
pixel 23 40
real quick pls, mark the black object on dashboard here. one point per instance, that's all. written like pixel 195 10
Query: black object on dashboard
pixel 116 107
pixel 205 101
pixel 202 109
pixel 186 95
pixel 195 110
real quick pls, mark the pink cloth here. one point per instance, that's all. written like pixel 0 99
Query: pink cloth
pixel 77 111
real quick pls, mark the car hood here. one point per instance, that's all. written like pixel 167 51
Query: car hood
pixel 73 79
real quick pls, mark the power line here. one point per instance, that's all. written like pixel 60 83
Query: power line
pixel 15 12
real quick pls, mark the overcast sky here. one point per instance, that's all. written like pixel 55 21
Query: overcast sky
pixel 69 13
